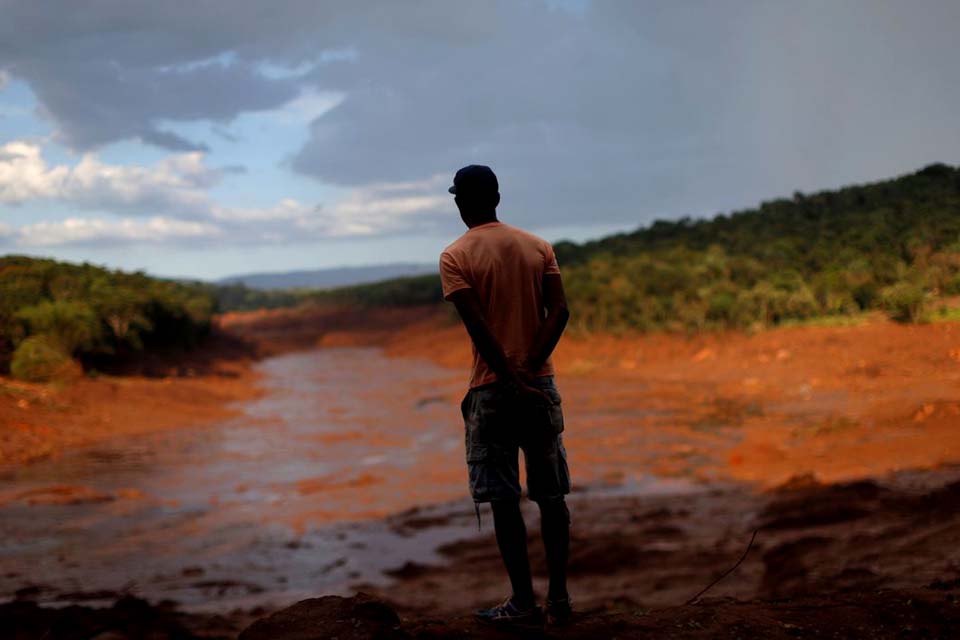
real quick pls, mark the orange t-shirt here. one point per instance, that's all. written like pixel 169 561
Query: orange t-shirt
pixel 505 266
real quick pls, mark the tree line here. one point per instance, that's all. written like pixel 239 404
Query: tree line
pixel 55 314
pixel 892 246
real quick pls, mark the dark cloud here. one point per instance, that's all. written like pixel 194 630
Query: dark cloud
pixel 113 70
pixel 630 110
pixel 95 102
pixel 621 112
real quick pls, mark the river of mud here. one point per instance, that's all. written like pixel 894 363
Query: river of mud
pixel 349 466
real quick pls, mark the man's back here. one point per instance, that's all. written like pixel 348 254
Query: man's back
pixel 505 266
pixel 507 289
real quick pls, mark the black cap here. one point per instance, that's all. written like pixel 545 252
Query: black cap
pixel 475 179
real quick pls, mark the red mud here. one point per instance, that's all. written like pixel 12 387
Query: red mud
pixel 837 402
pixel 865 559
pixel 794 431
pixel 174 390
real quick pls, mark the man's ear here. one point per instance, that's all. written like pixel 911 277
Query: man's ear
pixel 496 200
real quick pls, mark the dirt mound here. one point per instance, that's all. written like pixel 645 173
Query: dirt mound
pixel 820 544
pixel 891 570
pixel 926 613
pixel 814 504
pixel 355 618
pixel 129 617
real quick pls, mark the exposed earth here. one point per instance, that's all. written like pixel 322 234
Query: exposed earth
pixel 864 559
pixel 839 443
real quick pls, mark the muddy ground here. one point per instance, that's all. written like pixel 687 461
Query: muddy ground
pixel 870 558
pixel 839 443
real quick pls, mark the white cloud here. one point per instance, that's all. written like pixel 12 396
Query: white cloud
pixel 174 185
pixel 366 211
pixel 93 231
pixel 382 208
pixel 306 107
pixel 286 209
pixel 174 194
pixel 4 79
pixel 24 175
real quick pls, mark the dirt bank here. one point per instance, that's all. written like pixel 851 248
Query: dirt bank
pixel 794 431
pixel 649 552
pixel 838 402
pixel 871 558
pixel 883 614
pixel 158 391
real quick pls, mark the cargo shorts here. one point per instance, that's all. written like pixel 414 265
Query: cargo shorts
pixel 498 424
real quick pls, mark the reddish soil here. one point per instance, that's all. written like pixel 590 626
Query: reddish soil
pixel 824 557
pixel 157 391
pixel 888 613
pixel 795 431
pixel 864 559
pixel 837 402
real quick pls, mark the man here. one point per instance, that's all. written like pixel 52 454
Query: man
pixel 506 286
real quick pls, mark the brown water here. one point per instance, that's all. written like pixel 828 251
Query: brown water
pixel 286 501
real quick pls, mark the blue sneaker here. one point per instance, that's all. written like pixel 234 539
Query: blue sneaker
pixel 508 613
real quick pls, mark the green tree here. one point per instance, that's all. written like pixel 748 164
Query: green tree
pixel 72 325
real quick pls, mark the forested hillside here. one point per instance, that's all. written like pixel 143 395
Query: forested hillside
pixel 53 312
pixel 892 245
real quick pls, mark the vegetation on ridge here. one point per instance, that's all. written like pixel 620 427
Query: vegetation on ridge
pixel 52 312
pixel 892 245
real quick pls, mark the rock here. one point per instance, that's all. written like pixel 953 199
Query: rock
pixel 360 617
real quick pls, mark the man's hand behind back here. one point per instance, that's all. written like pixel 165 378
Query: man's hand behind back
pixel 524 387
pixel 527 386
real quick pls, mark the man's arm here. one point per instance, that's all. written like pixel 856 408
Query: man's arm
pixel 457 289
pixel 468 306
pixel 555 302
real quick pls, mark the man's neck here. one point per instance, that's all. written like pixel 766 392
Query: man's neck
pixel 485 220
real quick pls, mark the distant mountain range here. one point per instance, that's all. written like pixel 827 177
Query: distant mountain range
pixel 328 278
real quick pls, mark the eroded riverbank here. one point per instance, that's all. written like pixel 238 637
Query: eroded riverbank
pixel 292 496
pixel 284 500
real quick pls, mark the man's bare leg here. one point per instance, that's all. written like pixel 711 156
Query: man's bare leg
pixel 512 540
pixel 555 529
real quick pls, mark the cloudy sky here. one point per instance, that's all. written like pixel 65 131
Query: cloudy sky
pixel 204 138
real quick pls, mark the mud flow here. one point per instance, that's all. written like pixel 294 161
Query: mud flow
pixel 250 509
pixel 288 500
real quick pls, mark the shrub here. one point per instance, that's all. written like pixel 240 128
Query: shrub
pixel 40 358
pixel 92 312
pixel 73 325
pixel 904 302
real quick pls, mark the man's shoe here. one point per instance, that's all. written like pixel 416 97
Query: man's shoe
pixel 559 611
pixel 508 613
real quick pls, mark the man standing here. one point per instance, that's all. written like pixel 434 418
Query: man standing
pixel 506 286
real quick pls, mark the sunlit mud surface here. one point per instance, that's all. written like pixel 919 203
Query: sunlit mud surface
pixel 294 498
